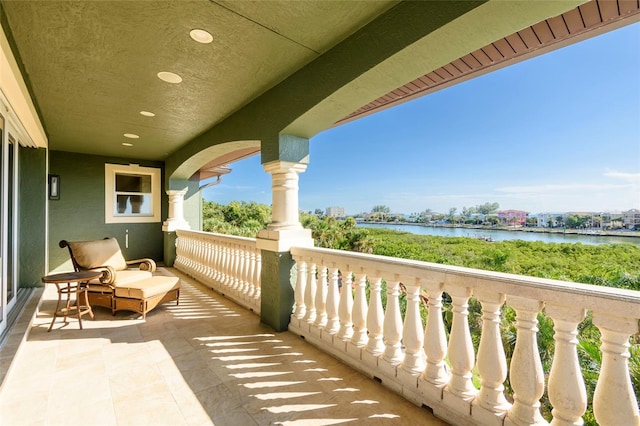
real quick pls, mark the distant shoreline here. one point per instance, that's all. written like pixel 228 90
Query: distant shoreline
pixel 590 232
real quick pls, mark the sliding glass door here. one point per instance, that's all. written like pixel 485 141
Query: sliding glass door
pixel 8 220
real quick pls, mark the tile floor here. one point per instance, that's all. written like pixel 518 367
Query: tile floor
pixel 206 361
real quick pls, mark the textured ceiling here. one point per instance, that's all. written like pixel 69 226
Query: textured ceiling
pixel 92 65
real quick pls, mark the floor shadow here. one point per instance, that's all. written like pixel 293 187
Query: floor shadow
pixel 211 351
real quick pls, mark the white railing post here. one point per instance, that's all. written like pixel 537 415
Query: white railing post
pixel 333 321
pixel 526 374
pixel 567 392
pixel 490 405
pixel 320 299
pixel 436 373
pixel 258 277
pixel 246 273
pixel 235 268
pixel 375 318
pixel 251 274
pixel 299 293
pixel 310 294
pixel 392 329
pixel 614 401
pixel 345 309
pixel 413 338
pixel 460 391
pixel 179 262
pixel 359 315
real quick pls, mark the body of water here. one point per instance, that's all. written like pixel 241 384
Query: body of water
pixel 501 235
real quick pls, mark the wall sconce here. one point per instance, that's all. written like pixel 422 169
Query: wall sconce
pixel 54 187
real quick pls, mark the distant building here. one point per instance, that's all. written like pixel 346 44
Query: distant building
pixel 513 217
pixel 548 220
pixel 631 219
pixel 335 212
pixel 611 220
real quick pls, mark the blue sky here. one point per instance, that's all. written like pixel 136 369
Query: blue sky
pixel 559 132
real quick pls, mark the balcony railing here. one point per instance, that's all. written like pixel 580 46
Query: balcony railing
pixel 436 366
pixel 229 265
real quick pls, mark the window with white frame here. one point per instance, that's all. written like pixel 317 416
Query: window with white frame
pixel 132 194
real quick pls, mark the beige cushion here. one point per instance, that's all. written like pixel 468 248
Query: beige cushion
pixel 93 254
pixel 131 275
pixel 147 288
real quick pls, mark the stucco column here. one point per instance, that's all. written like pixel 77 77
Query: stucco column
pixel 176 211
pixel 285 231
pixel 284 190
pixel 174 222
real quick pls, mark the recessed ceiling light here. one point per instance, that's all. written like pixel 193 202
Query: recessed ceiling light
pixel 147 114
pixel 131 136
pixel 127 144
pixel 169 77
pixel 201 36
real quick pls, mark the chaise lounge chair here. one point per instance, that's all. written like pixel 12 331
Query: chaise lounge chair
pixel 121 287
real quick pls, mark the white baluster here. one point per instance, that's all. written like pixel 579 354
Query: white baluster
pixel 435 339
pixel 299 291
pixel 179 261
pixel 228 265
pixel 345 308
pixel 199 270
pixel 413 334
pixel 244 266
pixel 240 270
pixel 525 373
pixel 258 277
pixel 206 260
pixel 235 266
pixel 567 392
pixel 220 262
pixel 614 402
pixel 251 274
pixel 187 253
pixel 492 362
pixel 392 326
pixel 222 275
pixel 246 273
pixel 333 321
pixel 321 297
pixel 375 318
pixel 359 338
pixel 460 351
pixel 310 295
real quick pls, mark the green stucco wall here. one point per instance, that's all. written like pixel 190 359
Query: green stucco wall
pixel 276 302
pixel 79 213
pixel 32 239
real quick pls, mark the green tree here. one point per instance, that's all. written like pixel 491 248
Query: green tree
pixel 381 209
pixel 452 214
pixel 466 212
pixel 237 218
pixel 487 208
pixel 380 212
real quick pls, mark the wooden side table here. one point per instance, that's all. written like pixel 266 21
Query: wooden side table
pixel 68 283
